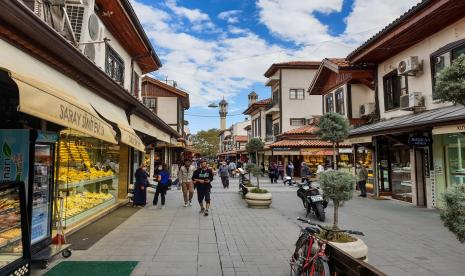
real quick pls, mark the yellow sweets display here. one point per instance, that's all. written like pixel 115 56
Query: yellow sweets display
pixel 78 203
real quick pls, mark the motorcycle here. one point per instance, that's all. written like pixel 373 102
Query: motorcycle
pixel 242 180
pixel 289 181
pixel 312 199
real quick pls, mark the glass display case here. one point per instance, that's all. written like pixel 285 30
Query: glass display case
pixel 88 171
pixel 401 173
pixel 13 240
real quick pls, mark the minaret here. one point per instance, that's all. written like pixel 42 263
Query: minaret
pixel 223 113
pixel 252 98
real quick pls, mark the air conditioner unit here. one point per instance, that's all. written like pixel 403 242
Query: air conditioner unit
pixel 367 109
pixel 409 66
pixel 412 101
pixel 86 25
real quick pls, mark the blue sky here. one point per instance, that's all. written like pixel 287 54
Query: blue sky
pixel 221 48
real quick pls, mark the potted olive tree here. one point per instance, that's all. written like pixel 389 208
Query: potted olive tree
pixel 256 197
pixel 339 187
pixel 334 128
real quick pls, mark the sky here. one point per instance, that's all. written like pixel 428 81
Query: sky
pixel 217 49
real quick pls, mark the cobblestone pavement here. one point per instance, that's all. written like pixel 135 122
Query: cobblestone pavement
pixel 236 240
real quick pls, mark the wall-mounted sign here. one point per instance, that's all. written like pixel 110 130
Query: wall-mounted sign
pixel 345 150
pixel 419 141
pixel 449 129
pixel 281 149
pixel 358 140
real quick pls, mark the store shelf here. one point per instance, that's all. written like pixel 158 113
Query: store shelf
pixel 17 225
pixel 84 183
pixel 7 211
pixel 86 213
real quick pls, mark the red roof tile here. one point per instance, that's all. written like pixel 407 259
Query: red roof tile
pixel 308 129
pixel 306 144
pixel 340 62
pixel 241 138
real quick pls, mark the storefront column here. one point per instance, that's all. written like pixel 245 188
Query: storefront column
pixel 376 181
pixel 124 169
pixel 152 161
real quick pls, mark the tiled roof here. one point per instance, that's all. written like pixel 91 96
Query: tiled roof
pixel 340 62
pixel 241 138
pixel 308 129
pixel 291 65
pixel 252 107
pixel 305 144
pixel 389 27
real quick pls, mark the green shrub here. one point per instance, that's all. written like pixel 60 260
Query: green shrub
pixel 453 215
pixel 450 84
pixel 339 187
pixel 258 191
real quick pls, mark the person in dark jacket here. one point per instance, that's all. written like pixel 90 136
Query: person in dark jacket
pixel 140 187
pixel 163 184
pixel 273 172
pixel 304 172
pixel 202 178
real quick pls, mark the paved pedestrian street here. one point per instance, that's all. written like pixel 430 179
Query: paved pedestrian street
pixel 236 240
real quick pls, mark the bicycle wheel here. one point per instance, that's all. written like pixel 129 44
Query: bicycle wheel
pixel 298 258
pixel 319 267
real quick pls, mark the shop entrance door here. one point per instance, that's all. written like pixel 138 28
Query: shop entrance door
pixel 420 184
pixel 384 168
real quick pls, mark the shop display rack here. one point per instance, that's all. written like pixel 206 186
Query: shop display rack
pixel 85 182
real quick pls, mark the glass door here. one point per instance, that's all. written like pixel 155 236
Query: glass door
pixel 384 169
pixel 41 201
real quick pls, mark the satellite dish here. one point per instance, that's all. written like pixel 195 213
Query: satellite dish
pixel 213 105
pixel 89 51
pixel 93 27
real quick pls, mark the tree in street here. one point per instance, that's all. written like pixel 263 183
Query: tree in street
pixel 255 171
pixel 206 142
pixel 339 187
pixel 334 128
pixel 254 146
pixel 450 84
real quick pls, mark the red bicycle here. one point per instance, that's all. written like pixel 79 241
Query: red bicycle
pixel 310 257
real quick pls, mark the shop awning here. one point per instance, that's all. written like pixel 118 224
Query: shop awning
pixel 430 118
pixel 50 95
pixel 143 126
pixel 317 152
pixel 117 115
pixel 50 104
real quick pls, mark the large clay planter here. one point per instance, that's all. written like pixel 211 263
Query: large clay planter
pixel 357 249
pixel 256 200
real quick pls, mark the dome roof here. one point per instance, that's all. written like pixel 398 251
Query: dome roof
pixel 251 94
pixel 223 102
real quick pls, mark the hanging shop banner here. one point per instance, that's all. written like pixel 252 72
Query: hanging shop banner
pixel 14 155
pixel 286 152
pixel 419 141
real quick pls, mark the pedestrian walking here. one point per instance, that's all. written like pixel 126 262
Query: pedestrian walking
pixel 304 172
pixel 185 177
pixel 224 174
pixel 280 170
pixel 140 187
pixel 273 172
pixel 202 179
pixel 290 169
pixel 232 168
pixel 262 168
pixel 362 177
pixel 162 187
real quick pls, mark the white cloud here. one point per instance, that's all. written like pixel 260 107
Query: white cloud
pixel 230 16
pixel 234 58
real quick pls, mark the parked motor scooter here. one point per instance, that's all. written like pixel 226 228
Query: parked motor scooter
pixel 289 181
pixel 242 180
pixel 312 199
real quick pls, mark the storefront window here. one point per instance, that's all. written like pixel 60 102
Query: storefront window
pixel 455 156
pixel 401 172
pixel 88 170
pixel 345 160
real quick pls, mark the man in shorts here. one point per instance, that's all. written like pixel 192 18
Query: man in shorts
pixel 202 179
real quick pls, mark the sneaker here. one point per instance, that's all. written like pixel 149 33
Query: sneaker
pixel 205 213
pixel 185 204
pixel 190 203
pixel 155 206
pixel 202 210
pixel 162 207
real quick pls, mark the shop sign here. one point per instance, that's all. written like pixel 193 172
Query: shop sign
pixel 281 149
pixel 288 152
pixel 449 129
pixel 426 163
pixel 419 141
pixel 345 150
pixel 317 151
pixel 359 140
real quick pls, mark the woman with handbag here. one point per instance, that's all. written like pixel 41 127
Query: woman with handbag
pixel 140 187
pixel 163 180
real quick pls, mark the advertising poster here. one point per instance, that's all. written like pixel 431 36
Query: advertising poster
pixel 14 155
